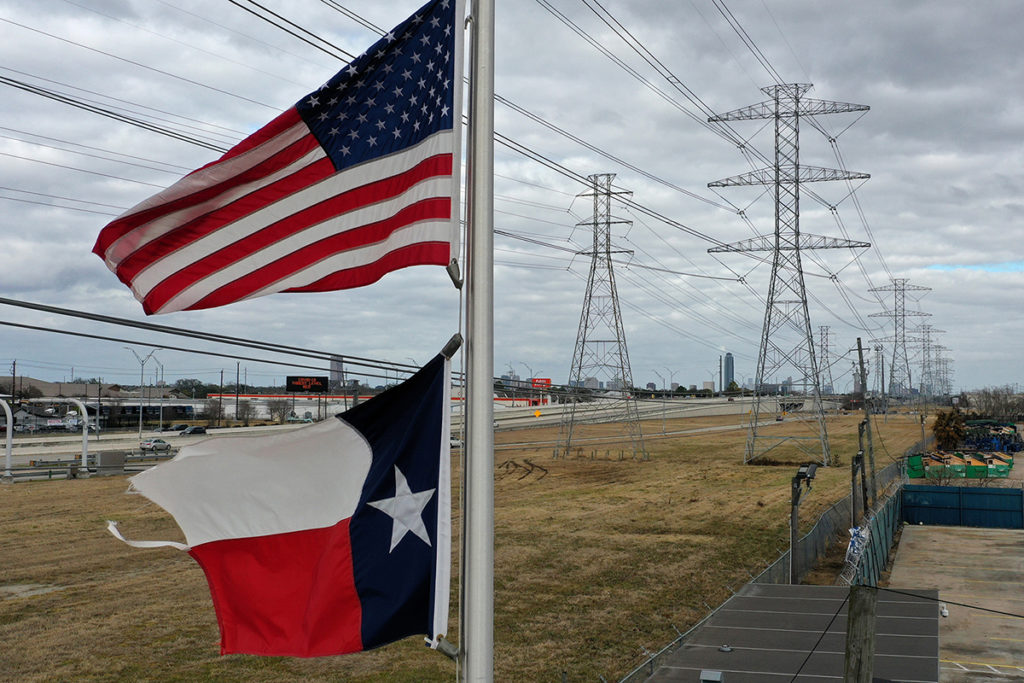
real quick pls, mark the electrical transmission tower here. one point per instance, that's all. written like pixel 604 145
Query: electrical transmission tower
pixel 826 359
pixel 600 354
pixel 787 339
pixel 943 370
pixel 899 369
pixel 929 384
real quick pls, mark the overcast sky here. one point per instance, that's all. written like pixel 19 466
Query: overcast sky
pixel 942 142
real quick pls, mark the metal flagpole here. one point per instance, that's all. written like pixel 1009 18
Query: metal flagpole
pixel 477 623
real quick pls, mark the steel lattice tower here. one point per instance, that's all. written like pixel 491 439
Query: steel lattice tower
pixel 826 363
pixel 787 338
pixel 899 369
pixel 601 352
pixel 930 384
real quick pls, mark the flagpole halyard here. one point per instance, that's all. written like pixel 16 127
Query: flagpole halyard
pixel 477 624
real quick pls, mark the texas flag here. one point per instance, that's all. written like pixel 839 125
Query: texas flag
pixel 329 539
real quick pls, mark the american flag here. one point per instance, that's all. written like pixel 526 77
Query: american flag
pixel 358 179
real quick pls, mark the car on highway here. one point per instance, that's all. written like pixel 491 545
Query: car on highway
pixel 155 445
pixel 194 429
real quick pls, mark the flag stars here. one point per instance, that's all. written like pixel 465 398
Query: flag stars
pixel 362 118
pixel 422 83
pixel 333 131
pixel 424 40
pixel 407 75
pixel 378 86
pixel 381 125
pixel 352 70
pixel 354 134
pixel 389 108
pixel 371 141
pixel 397 132
pixel 406 510
pixel 397 91
pixel 416 59
pixel 313 101
pixel 345 151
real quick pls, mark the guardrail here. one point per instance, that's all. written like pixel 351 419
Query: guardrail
pixel 71 468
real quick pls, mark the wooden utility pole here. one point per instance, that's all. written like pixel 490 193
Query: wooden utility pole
pixel 867 419
pixel 860 634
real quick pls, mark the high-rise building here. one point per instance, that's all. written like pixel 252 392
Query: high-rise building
pixel 729 372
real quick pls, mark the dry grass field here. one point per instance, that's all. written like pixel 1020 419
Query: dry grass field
pixel 596 559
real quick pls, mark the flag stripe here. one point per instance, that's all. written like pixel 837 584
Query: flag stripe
pixel 303 579
pixel 344 254
pixel 168 234
pixel 216 177
pixel 424 252
pixel 324 223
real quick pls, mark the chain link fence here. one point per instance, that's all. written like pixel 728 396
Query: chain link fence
pixel 811 547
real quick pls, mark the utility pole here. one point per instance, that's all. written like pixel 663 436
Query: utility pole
pixel 860 634
pixel 220 398
pixel 787 339
pixel 237 366
pixel 601 340
pixel 867 423
pixel 14 378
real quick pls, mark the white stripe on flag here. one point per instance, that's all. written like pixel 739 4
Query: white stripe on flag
pixel 241 487
pixel 336 184
pixel 426 231
pixel 434 187
pixel 147 232
pixel 218 172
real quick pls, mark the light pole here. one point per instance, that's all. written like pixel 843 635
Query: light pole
pixel 662 399
pixel 142 379
pixel 804 475
pixel 532 376
pixel 161 399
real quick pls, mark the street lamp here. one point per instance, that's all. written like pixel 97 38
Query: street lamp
pixel 803 476
pixel 142 379
pixel 161 399
pixel 532 377
pixel 662 399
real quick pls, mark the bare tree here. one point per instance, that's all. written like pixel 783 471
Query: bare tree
pixel 246 411
pixel 279 408
pixel 213 410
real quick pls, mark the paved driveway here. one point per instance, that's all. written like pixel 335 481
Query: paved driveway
pixel 983 567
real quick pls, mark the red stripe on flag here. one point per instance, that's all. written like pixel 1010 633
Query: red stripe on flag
pixel 275 162
pixel 208 223
pixel 365 195
pixel 426 210
pixel 422 254
pixel 284 121
pixel 290 594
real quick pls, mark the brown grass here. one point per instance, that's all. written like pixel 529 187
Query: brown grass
pixel 595 560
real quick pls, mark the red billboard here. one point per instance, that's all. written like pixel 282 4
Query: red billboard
pixel 541 382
